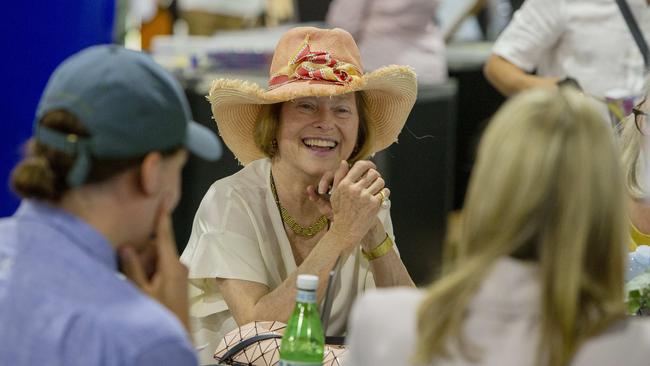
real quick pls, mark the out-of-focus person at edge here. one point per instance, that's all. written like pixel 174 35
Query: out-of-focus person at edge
pixel 633 139
pixel 99 179
pixel 395 32
pixel 581 41
pixel 537 277
pixel 312 129
pixel 635 154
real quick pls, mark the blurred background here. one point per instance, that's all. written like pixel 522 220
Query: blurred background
pixel 200 40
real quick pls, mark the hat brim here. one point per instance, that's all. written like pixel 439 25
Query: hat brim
pixel 390 93
pixel 202 142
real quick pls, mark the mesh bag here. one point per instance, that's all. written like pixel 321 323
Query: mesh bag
pixel 258 343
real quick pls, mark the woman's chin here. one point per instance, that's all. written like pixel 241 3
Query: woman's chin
pixel 319 166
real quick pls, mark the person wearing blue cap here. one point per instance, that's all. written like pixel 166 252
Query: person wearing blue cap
pixel 101 175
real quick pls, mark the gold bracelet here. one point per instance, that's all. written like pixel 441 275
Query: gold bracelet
pixel 380 250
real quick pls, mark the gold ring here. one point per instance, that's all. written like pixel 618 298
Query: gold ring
pixel 385 202
pixel 383 196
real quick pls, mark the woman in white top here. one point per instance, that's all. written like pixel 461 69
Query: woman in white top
pixel 537 276
pixel 395 32
pixel 586 40
pixel 311 130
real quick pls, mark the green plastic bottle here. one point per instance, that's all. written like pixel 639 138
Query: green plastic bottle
pixel 303 340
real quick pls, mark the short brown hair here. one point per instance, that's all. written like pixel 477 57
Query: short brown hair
pixel 268 121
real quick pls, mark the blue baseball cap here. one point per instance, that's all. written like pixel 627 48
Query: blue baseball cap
pixel 129 104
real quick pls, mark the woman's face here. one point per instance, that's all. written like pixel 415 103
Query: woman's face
pixel 316 133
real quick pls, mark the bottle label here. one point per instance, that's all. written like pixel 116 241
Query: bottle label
pixel 306 296
pixel 299 363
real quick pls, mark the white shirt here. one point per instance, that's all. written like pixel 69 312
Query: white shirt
pixel 238 234
pixel 502 319
pixel 587 40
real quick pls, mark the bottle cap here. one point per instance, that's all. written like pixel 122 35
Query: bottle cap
pixel 307 282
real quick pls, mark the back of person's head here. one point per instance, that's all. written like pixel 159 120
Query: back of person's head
pixel 635 162
pixel 103 110
pixel 546 188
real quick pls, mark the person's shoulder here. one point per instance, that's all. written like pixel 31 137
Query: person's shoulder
pixel 138 327
pixel 251 179
pixel 631 327
pixel 386 304
pixel 8 231
pixel 390 297
pixel 122 331
pixel 625 342
pixel 382 328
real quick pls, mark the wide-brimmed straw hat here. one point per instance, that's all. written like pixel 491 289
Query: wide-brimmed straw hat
pixel 314 62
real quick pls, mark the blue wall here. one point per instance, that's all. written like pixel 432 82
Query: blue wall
pixel 35 37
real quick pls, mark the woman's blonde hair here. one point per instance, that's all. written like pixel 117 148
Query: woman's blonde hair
pixel 635 164
pixel 547 187
pixel 268 122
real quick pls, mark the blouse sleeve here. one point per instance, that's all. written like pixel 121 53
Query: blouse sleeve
pixel 533 31
pixel 224 244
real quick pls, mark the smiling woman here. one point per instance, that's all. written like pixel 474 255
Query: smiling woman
pixel 268 123
pixel 305 137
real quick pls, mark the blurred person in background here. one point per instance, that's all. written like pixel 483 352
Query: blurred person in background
pixel 101 176
pixel 310 133
pixel 634 145
pixel 495 15
pixel 635 131
pixel 205 17
pixel 583 42
pixel 395 32
pixel 537 277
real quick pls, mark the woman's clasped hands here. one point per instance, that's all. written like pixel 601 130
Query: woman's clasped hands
pixel 351 197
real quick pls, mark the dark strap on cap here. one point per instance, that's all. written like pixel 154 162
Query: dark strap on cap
pixel 228 356
pixel 636 32
pixel 72 144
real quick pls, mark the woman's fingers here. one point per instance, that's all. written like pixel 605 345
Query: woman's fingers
pixel 386 191
pixel 312 194
pixel 341 173
pixel 325 183
pixel 376 186
pixel 358 170
pixel 369 178
pixel 324 206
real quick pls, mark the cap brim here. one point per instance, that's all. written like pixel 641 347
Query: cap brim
pixel 202 142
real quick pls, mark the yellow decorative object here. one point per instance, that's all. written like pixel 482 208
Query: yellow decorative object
pixel 638 238
pixel 380 250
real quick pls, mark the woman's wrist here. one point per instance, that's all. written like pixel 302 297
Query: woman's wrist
pixel 374 237
pixel 343 237
pixel 380 250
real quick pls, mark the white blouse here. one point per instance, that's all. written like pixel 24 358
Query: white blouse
pixel 238 234
pixel 503 320
pixel 587 40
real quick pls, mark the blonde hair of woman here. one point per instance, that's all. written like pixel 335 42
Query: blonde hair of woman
pixel 547 188
pixel 635 166
pixel 633 161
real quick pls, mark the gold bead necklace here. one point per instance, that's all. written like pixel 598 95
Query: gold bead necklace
pixel 298 229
